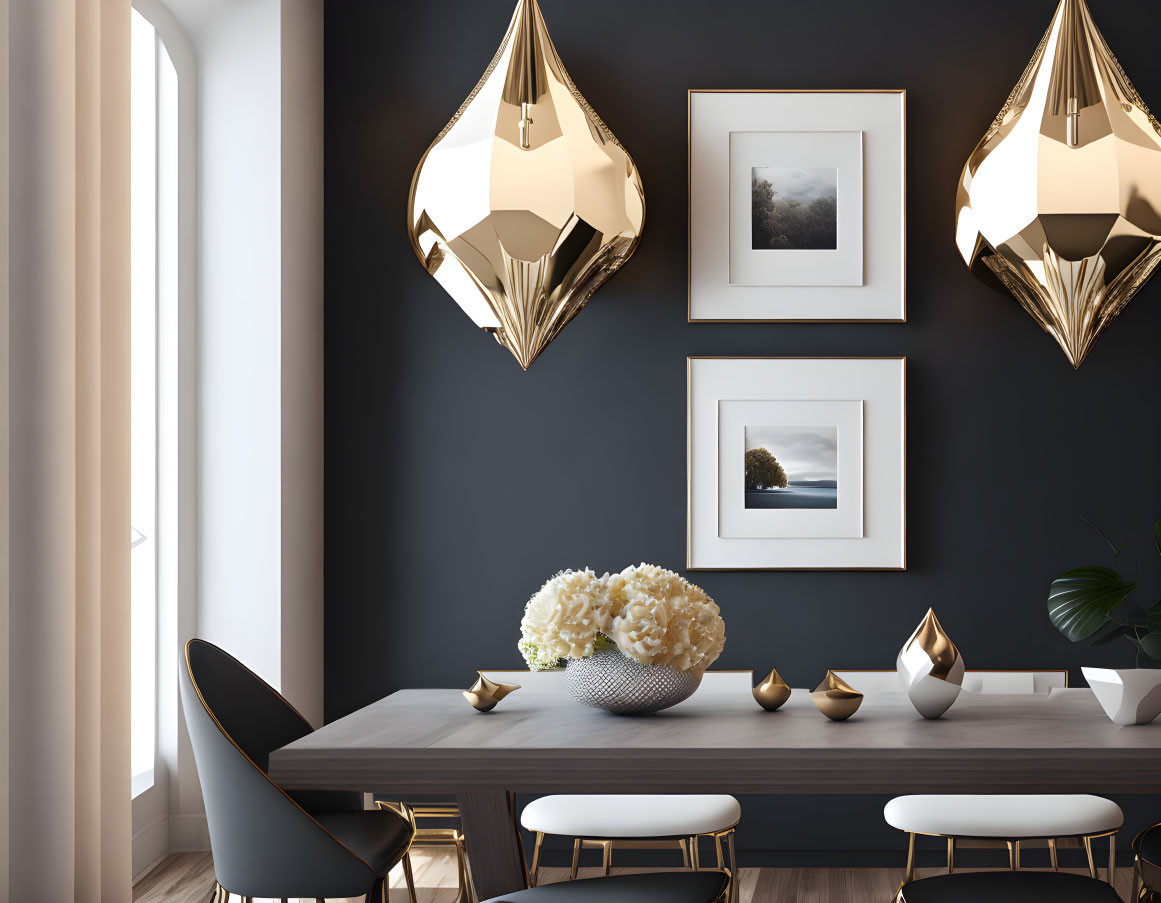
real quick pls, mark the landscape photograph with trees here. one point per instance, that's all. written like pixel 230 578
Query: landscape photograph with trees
pixel 791 467
pixel 794 209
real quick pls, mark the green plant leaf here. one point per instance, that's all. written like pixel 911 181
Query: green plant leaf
pixel 1080 600
pixel 1153 618
pixel 1157 536
pixel 1109 632
pixel 1149 654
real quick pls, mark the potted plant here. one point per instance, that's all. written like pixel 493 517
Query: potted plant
pixel 632 643
pixel 1092 603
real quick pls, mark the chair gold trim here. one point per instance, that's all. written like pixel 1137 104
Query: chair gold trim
pixel 220 894
pixel 1146 874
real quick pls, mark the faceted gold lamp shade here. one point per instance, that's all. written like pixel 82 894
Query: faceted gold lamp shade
pixel 525 204
pixel 1061 200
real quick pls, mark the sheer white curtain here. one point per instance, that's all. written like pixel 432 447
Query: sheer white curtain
pixel 64 655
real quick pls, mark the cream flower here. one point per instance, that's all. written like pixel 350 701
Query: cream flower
pixel 561 620
pixel 656 617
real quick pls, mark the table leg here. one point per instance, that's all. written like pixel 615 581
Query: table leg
pixel 489 824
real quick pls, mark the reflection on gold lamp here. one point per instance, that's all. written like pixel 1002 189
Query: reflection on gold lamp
pixel 772 692
pixel 835 698
pixel 1060 202
pixel 526 203
pixel 485 694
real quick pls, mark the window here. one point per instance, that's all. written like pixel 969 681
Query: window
pixel 154 292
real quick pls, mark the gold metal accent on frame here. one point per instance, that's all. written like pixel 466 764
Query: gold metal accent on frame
pixel 526 203
pixel 438 837
pixel 835 698
pixel 1060 202
pixel 485 694
pixel 771 693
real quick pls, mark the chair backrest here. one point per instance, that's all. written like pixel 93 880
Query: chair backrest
pixel 990 682
pixel 264 843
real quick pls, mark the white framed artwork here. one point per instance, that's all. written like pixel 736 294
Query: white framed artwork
pixel 797 208
pixel 796 463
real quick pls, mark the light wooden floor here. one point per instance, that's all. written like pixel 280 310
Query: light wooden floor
pixel 189 878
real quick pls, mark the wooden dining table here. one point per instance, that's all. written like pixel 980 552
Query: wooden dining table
pixel 418 742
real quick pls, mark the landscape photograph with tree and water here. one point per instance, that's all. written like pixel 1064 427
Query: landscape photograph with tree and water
pixel 794 209
pixel 791 467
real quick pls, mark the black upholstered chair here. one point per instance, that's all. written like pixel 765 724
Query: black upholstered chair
pixel 1008 887
pixel 709 886
pixel 265 841
pixel 1147 866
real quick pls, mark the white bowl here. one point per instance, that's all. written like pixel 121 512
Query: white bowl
pixel 1128 695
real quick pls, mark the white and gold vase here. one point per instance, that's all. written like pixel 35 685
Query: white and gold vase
pixel 930 668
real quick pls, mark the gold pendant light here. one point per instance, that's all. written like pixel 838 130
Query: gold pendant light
pixel 525 204
pixel 1061 200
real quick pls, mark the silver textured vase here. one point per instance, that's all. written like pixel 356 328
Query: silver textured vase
pixel 612 681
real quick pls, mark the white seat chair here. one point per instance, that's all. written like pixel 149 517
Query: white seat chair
pixel 633 821
pixel 1012 819
pixel 638 821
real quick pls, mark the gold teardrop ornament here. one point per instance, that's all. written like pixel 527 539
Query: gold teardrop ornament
pixel 835 698
pixel 526 203
pixel 930 668
pixel 485 694
pixel 771 693
pixel 930 651
pixel 1060 202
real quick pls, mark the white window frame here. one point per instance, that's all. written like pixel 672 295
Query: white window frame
pixel 177 456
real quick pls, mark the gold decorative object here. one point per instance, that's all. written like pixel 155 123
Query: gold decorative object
pixel 485 694
pixel 930 668
pixel 526 203
pixel 835 698
pixel 772 692
pixel 1061 201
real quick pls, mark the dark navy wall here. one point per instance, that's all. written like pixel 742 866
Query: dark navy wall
pixel 456 483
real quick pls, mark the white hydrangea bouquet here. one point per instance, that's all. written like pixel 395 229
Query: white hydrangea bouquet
pixel 653 616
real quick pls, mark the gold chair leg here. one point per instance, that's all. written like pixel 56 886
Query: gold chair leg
pixel 1088 852
pixel 684 845
pixel 950 855
pixel 408 876
pixel 718 849
pixel 735 875
pixel 910 874
pixel 536 859
pixel 1011 855
pixel 462 871
pixel 607 856
pixel 1052 854
pixel 695 853
pixel 469 882
pixel 576 848
pixel 1113 860
pixel 1017 846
